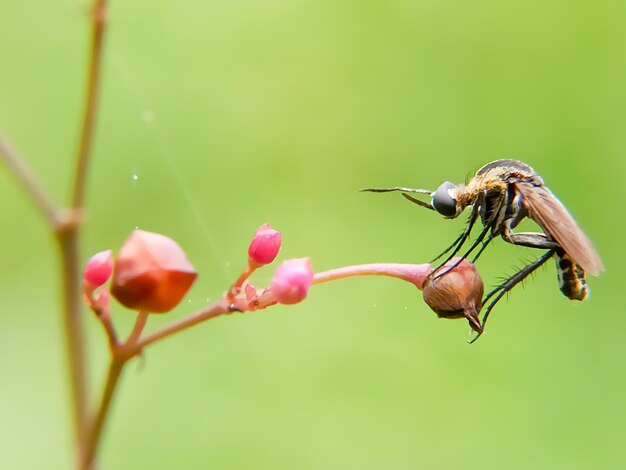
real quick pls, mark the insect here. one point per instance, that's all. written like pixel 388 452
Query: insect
pixel 502 194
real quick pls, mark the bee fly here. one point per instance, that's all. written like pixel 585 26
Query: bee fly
pixel 502 194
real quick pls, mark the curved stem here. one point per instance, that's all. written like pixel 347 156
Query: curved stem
pixel 109 328
pixel 413 273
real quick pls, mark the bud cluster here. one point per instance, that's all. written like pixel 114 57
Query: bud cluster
pixel 151 274
pixel 290 283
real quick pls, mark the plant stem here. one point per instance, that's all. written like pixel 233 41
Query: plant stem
pixel 211 311
pixel 25 176
pixel 65 225
pixel 98 24
pixel 120 355
pixel 73 325
pixel 140 323
pixel 69 239
pixel 105 319
pixel 413 273
pixel 134 345
pixel 89 446
pixel 236 287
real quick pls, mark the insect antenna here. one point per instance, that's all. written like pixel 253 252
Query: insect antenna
pixel 404 192
pixel 417 201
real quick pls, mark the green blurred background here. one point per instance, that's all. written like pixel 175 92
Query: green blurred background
pixel 217 117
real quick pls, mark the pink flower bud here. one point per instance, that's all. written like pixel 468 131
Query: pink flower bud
pixel 151 273
pixel 264 246
pixel 98 270
pixel 292 280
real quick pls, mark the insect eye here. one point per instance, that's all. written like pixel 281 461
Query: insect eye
pixel 443 202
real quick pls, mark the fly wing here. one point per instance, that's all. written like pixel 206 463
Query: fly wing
pixel 545 209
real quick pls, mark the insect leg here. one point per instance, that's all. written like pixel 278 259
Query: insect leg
pixel 496 222
pixel 570 275
pixel 460 240
pixel 530 239
pixel 465 255
pixel 482 248
pixel 507 285
pixel 488 225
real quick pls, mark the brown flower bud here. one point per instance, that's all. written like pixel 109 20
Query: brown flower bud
pixel 151 273
pixel 457 293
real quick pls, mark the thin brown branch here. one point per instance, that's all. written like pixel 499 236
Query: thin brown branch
pixel 103 314
pixel 211 311
pixel 90 445
pixel 65 224
pixel 98 23
pixel 73 325
pixel 69 238
pixel 120 355
pixel 135 345
pixel 109 329
pixel 27 179
pixel 408 272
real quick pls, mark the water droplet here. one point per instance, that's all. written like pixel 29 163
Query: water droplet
pixel 135 177
pixel 227 264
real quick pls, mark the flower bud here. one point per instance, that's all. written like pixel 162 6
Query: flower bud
pixel 98 270
pixel 292 280
pixel 151 273
pixel 456 293
pixel 264 246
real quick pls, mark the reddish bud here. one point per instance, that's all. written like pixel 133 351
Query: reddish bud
pixel 151 273
pixel 264 246
pixel 456 293
pixel 98 270
pixel 292 280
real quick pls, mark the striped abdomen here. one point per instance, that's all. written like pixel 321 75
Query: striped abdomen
pixel 571 277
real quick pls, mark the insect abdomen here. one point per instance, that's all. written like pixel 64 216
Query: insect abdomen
pixel 571 277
